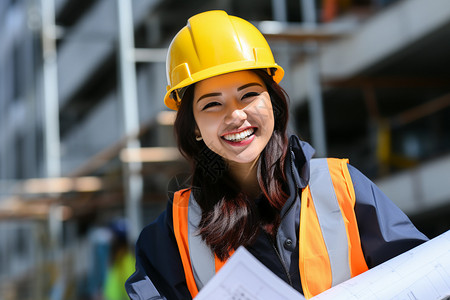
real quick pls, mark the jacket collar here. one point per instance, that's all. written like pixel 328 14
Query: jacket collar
pixel 296 168
pixel 299 156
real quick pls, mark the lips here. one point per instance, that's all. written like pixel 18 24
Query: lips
pixel 239 136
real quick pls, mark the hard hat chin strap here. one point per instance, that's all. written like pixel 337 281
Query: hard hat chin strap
pixel 182 91
pixel 177 95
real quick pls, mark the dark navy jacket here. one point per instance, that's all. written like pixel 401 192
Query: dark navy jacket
pixel 384 229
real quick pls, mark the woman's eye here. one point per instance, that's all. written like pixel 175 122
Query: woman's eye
pixel 250 94
pixel 210 104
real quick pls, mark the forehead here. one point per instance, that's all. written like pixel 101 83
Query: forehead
pixel 226 81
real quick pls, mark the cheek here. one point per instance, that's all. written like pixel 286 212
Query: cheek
pixel 264 113
pixel 210 137
pixel 208 129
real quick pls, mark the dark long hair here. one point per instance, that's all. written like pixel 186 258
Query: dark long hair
pixel 229 218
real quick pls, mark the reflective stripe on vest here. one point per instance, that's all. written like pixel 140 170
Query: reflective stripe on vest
pixel 329 244
pixel 198 261
pixel 330 248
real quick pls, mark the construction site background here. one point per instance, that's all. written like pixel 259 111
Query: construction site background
pixel 87 151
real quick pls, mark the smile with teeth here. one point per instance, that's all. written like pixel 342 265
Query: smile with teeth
pixel 239 137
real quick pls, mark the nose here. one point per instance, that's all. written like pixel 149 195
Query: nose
pixel 236 117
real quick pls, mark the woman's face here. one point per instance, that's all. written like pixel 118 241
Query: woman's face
pixel 234 115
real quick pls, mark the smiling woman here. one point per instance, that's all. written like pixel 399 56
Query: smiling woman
pixel 236 121
pixel 312 222
pixel 233 113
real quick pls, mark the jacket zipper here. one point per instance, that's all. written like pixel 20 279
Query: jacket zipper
pixel 280 259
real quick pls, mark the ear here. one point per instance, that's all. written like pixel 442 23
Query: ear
pixel 197 131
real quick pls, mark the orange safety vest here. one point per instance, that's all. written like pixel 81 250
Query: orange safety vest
pixel 329 244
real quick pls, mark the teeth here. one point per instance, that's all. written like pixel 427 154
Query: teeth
pixel 238 137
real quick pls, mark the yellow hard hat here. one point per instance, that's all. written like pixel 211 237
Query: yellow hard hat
pixel 214 43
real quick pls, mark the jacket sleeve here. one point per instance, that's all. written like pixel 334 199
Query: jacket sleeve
pixel 384 229
pixel 159 272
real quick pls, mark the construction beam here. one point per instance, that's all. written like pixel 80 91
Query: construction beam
pixel 388 82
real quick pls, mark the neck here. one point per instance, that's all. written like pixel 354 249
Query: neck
pixel 245 174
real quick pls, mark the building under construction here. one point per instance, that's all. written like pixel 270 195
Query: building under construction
pixel 86 139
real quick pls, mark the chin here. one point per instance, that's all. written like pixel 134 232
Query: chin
pixel 243 159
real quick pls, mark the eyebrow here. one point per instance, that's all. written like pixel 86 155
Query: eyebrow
pixel 248 85
pixel 209 95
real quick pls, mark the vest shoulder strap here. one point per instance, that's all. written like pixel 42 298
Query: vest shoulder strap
pixel 180 209
pixel 330 219
pixel 330 250
pixel 199 263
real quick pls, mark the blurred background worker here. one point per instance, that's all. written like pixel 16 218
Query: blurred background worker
pixel 121 264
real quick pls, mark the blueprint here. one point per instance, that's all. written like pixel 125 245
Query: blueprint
pixel 421 273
